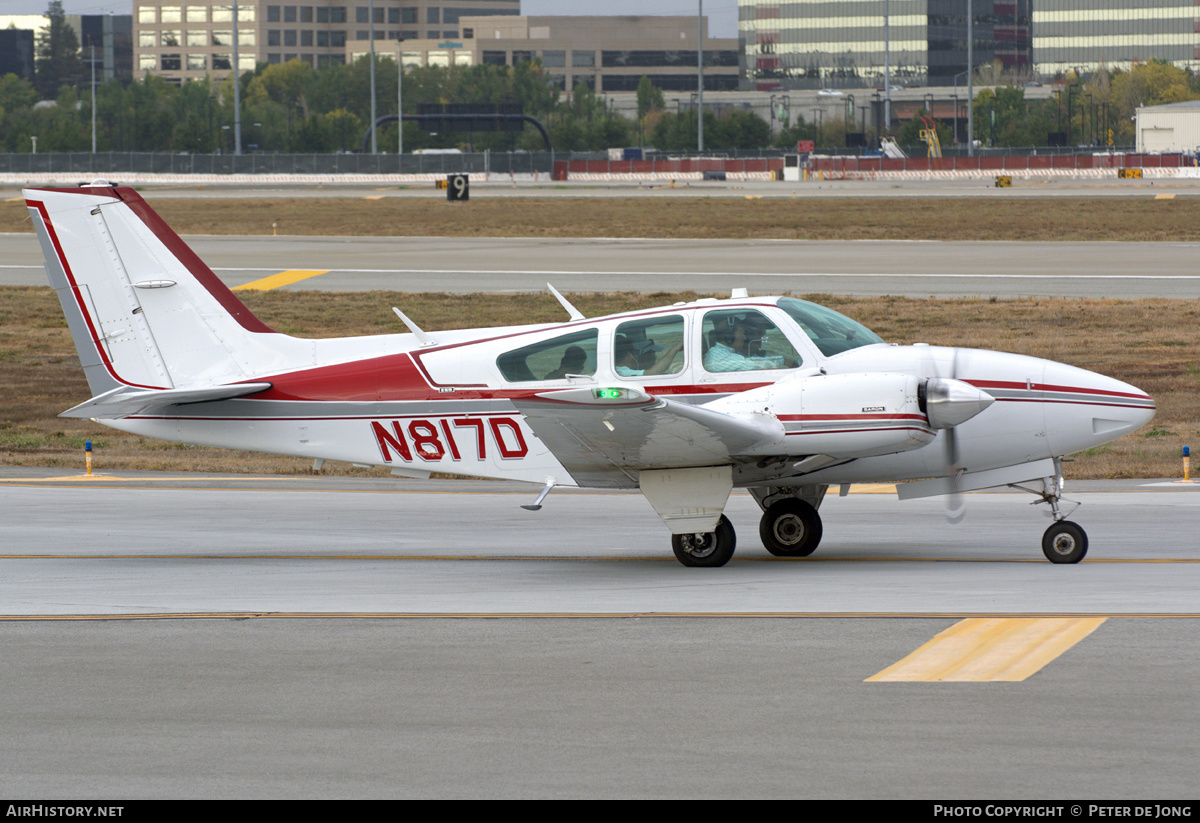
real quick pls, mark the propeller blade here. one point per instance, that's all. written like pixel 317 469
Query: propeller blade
pixel 956 506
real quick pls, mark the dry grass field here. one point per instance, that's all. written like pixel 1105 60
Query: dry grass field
pixel 1149 343
pixel 842 218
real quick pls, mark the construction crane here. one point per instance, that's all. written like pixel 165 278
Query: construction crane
pixel 930 136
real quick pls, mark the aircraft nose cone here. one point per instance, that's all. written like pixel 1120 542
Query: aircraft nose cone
pixel 1086 409
pixel 1127 409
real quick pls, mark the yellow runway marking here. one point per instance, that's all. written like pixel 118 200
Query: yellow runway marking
pixel 69 478
pixel 284 278
pixel 873 488
pixel 373 197
pixel 981 649
pixel 1164 197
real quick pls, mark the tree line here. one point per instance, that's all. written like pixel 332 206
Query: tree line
pixel 296 108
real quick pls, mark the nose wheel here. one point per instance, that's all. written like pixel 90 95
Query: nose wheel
pixel 706 549
pixel 1064 542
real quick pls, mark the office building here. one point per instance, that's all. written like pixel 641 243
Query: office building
pixel 809 44
pixel 606 54
pixel 16 52
pixel 111 34
pixel 179 41
pixel 1083 35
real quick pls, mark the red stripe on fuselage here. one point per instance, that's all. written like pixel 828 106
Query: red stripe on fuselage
pixel 1023 386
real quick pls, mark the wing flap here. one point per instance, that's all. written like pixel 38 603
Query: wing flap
pixel 605 436
pixel 124 401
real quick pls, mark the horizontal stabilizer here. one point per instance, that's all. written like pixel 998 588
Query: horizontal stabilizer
pixel 124 401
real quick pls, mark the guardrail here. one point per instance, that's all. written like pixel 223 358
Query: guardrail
pixel 992 164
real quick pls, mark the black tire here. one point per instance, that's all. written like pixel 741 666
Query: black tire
pixel 790 528
pixel 706 549
pixel 1064 542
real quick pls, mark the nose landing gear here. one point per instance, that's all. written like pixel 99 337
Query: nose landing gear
pixel 1064 541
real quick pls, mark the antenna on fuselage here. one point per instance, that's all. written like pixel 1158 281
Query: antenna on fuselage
pixel 422 337
pixel 575 313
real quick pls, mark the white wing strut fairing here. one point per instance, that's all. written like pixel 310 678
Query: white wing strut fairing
pixel 684 402
pixel 605 436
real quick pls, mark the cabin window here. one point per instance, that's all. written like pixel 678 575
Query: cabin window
pixel 649 347
pixel 745 340
pixel 552 359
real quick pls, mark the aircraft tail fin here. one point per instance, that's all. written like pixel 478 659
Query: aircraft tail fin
pixel 143 310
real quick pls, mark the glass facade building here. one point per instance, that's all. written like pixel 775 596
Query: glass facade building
pixel 813 44
pixel 1086 34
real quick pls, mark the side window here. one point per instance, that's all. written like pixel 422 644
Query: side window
pixel 745 340
pixel 551 359
pixel 649 347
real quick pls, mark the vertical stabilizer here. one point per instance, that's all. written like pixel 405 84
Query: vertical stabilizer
pixel 143 310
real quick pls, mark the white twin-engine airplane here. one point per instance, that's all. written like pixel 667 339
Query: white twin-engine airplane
pixel 773 394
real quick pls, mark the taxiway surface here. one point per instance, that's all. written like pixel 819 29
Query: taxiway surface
pixel 466 265
pixel 321 637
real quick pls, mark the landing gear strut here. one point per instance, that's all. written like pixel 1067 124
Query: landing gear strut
pixel 706 549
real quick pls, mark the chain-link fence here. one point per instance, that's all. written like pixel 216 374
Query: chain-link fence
pixel 114 164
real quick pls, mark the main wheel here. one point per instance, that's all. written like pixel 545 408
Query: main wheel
pixel 1064 542
pixel 706 548
pixel 790 528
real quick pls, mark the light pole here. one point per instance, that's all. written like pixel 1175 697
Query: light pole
pixel 399 100
pixel 237 90
pixel 371 30
pixel 887 65
pixel 700 75
pixel 970 79
pixel 93 62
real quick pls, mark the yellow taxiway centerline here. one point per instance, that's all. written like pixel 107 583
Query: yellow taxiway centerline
pixel 284 278
pixel 25 618
pixel 984 649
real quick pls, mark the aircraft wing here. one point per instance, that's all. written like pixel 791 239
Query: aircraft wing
pixel 604 436
pixel 125 401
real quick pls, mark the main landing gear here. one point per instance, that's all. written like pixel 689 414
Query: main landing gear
pixel 706 549
pixel 790 527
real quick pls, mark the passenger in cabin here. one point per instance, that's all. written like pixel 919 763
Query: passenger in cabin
pixel 573 361
pixel 640 358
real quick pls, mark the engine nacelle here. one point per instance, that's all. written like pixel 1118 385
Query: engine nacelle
pixel 841 415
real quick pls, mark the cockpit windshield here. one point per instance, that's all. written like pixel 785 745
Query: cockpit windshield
pixel 831 332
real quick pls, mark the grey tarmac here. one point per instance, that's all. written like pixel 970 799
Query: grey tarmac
pixel 499 265
pixel 353 637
